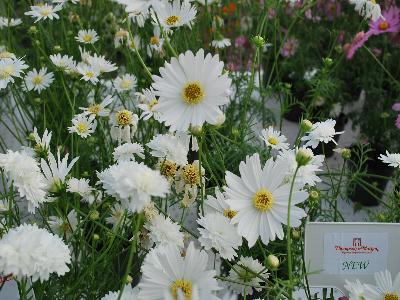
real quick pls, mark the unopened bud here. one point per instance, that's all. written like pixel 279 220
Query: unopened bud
pixel 258 41
pixel 304 156
pixel 273 262
pixel 295 234
pixel 96 237
pixel 306 125
pixel 94 215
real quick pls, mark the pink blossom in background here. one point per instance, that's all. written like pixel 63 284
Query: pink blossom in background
pixel 240 41
pixel 389 23
pixel 332 9
pixel 398 122
pixel 289 47
pixel 358 41
pixel 271 13
pixel 376 51
pixel 396 106
pixel 340 37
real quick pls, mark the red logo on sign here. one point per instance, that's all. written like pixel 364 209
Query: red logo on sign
pixel 357 248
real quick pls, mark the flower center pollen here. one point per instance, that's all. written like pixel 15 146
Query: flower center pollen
pixel 185 286
pixel 94 109
pixel 272 140
pixel 384 25
pixel 391 297
pixel 154 41
pixel 193 92
pixel 87 38
pixel 172 20
pixel 191 174
pixel 230 213
pixel 37 80
pixel 124 117
pixel 263 200
pixel 82 127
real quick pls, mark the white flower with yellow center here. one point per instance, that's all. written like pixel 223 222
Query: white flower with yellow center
pixel 385 288
pixel 369 9
pixel 100 63
pixel 156 42
pixel 173 14
pixel 218 204
pixel 124 125
pixel 190 96
pixel 38 80
pixel 89 73
pixel 274 139
pixel 147 101
pixel 43 11
pixel 169 275
pixel 87 36
pixel 82 188
pixel 125 83
pixel 9 69
pixel 392 159
pixel 64 62
pixel 83 125
pixel 6 22
pixel 121 37
pixel 221 43
pixel 99 109
pixel 169 147
pixel 64 227
pixel 261 198
pixel 321 132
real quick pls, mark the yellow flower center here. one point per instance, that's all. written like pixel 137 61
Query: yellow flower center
pixel 121 34
pixel 124 117
pixel 172 20
pixel 193 92
pixel 230 213
pixel 82 127
pixel 46 11
pixel 89 74
pixel 64 228
pixel 87 38
pixel 391 297
pixel 272 140
pixel 152 103
pixel 168 168
pixel 7 72
pixel 191 174
pixel 373 1
pixel 154 40
pixel 263 200
pixel 6 54
pixel 37 80
pixel 384 25
pixel 126 84
pixel 185 286
pixel 94 109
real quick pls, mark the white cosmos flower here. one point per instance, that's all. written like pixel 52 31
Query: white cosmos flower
pixel 117 212
pixel 44 11
pixel 138 10
pixel 56 171
pixel 6 22
pixel 148 100
pixel 120 37
pixel 169 147
pixel 82 188
pixel 125 83
pixel 261 198
pixel 83 125
pixel 169 275
pixel 274 139
pixel 156 42
pixel 29 251
pixel 64 227
pixel 98 109
pixel 369 9
pixel 392 159
pixel 134 184
pixel 23 170
pixel 126 152
pixel 220 234
pixel 87 36
pixel 191 96
pixel 38 80
pixel 89 73
pixel 164 232
pixel 129 293
pixel 306 174
pixel 218 204
pixel 221 43
pixel 124 125
pixel 385 288
pixel 100 63
pixel 242 266
pixel 9 69
pixel 173 14
pixel 41 147
pixel 63 62
pixel 65 1
pixel 321 132
pixel 356 290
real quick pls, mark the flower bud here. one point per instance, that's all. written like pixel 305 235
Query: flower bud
pixel 235 132
pixel 220 120
pixel 32 30
pixel 346 154
pixel 295 234
pixel 328 61
pixel 313 194
pixel 31 137
pixel 96 237
pixel 129 279
pixel 94 215
pixel 196 130
pixel 57 48
pixel 258 41
pixel 304 156
pixel 273 262
pixel 306 125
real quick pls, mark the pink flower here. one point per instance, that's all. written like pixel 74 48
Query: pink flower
pixel 398 122
pixel 389 23
pixel 290 47
pixel 240 41
pixel 396 106
pixel 358 41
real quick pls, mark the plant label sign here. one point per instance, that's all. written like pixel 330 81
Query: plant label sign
pixel 335 252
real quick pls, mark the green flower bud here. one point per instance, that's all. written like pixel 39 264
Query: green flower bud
pixel 94 215
pixel 273 262
pixel 306 125
pixel 304 156
pixel 258 41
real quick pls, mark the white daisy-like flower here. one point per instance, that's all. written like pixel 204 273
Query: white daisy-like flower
pixel 126 152
pixel 156 42
pixel 9 69
pixel 356 290
pixel 134 44
pixel 87 36
pixel 261 198
pixel 249 278
pixel 385 288
pixel 64 62
pixel 82 188
pixel 38 80
pixel 148 100
pixel 55 172
pixel 29 251
pixel 392 159
pixel 121 37
pixel 274 139
pixel 100 63
pixel 4 206
pixel 134 184
pixel 117 213
pixel 89 73
pixel 66 1
pixel 175 14
pixel 44 11
pixel 138 11
pixel 220 234
pixel 99 109
pixel 169 275
pixel 83 125
pixel 9 22
pixel 169 147
pixel 64 227
pixel 369 9
pixel 129 293
pixel 218 204
pixel 195 94
pixel 321 132
pixel 23 170
pixel 221 43
pixel 6 54
pixel 125 83
pixel 124 125
pixel 310 74
pixel 306 174
pixel 42 144
pixel 164 232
